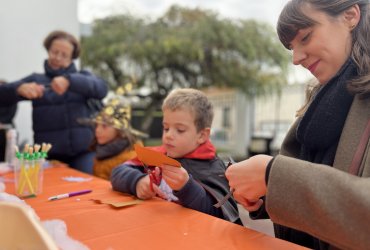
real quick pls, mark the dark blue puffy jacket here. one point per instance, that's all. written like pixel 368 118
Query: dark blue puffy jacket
pixel 55 116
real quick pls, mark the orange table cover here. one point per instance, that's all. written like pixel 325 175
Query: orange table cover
pixel 153 224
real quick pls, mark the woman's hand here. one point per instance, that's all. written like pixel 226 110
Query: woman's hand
pixel 59 85
pixel 175 177
pixel 143 190
pixel 247 178
pixel 31 90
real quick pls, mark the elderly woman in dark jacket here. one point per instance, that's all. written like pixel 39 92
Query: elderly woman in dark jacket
pixel 59 97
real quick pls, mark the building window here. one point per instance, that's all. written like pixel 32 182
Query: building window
pixel 226 123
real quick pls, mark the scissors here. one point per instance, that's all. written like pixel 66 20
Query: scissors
pixel 231 191
pixel 152 176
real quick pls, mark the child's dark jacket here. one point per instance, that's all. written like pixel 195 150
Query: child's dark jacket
pixel 207 183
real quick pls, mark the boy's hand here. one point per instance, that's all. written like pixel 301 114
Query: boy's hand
pixel 175 177
pixel 143 190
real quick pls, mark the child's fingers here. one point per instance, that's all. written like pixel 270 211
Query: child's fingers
pixel 143 189
pixel 145 194
pixel 159 192
pixel 170 168
pixel 173 172
pixel 175 179
pixel 157 173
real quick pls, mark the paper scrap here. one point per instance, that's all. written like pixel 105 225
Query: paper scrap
pixel 5 168
pixel 9 180
pixel 76 179
pixel 118 204
pixel 154 158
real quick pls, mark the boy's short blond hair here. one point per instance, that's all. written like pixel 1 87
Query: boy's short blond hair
pixel 193 100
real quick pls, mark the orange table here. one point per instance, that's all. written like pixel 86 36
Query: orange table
pixel 153 224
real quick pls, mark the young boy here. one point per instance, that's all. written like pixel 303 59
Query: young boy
pixel 200 182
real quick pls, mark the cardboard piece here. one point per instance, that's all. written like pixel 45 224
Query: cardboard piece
pixel 153 158
pixel 118 204
pixel 21 229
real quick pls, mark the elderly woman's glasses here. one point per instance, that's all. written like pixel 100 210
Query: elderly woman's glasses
pixel 59 54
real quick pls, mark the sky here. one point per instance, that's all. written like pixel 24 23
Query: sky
pixel 264 10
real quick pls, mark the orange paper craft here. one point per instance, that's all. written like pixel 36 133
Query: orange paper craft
pixel 153 158
pixel 119 204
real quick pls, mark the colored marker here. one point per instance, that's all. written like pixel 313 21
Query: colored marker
pixel 28 196
pixel 62 196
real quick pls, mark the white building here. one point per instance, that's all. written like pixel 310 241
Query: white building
pixel 238 119
pixel 23 27
pixel 274 114
pixel 232 125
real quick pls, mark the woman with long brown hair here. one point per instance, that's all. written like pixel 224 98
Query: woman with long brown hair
pixel 316 191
